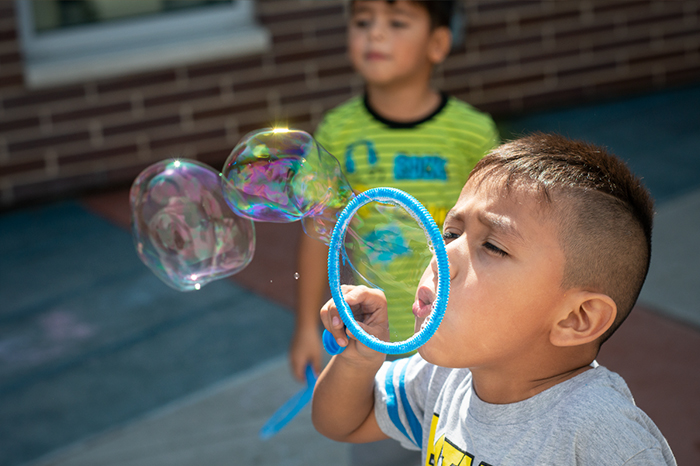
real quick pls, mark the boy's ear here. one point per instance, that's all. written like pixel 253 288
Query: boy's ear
pixel 440 44
pixel 589 316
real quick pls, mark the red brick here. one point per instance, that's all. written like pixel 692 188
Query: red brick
pixel 44 97
pixel 606 7
pixel 476 68
pixel 20 123
pixel 7 10
pixel 91 112
pixel 486 6
pixel 184 96
pixel 8 35
pixel 21 167
pixel 136 81
pixel 310 13
pixel 222 67
pixel 684 76
pixel 9 58
pixel 268 82
pixel 310 54
pixel 555 98
pixel 11 81
pixel 188 138
pixel 509 43
pixel 97 154
pixel 229 110
pixel 48 141
pixel 587 68
pixel 142 125
pixel 335 71
pixel 311 96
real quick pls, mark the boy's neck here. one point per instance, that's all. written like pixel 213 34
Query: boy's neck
pixel 520 382
pixel 403 103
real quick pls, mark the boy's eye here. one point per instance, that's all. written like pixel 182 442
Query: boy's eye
pixel 361 23
pixel 449 235
pixel 495 249
pixel 398 24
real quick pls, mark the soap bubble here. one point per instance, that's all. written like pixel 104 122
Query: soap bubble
pixel 182 227
pixel 280 175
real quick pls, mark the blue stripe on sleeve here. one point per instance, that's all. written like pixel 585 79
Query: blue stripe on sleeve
pixel 413 421
pixel 392 404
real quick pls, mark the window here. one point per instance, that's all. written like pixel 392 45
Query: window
pixel 76 40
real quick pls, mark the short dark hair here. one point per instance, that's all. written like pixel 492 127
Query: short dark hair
pixel 440 11
pixel 605 213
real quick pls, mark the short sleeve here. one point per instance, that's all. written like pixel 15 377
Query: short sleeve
pixel 401 390
pixel 651 457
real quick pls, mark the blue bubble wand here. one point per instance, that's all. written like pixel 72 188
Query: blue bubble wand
pixel 337 250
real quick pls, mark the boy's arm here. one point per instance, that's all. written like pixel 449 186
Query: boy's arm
pixel 343 401
pixel 306 341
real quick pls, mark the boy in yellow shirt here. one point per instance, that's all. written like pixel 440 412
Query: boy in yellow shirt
pixel 401 133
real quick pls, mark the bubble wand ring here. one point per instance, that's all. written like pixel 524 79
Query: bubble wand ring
pixel 416 209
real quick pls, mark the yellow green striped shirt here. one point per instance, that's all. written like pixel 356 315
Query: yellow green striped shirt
pixel 429 159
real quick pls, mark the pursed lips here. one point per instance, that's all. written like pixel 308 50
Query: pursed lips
pixel 423 305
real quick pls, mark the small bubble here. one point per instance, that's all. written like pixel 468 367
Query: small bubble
pixel 296 275
pixel 197 286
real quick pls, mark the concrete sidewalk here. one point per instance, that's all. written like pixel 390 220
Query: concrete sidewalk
pixel 659 357
pixel 216 426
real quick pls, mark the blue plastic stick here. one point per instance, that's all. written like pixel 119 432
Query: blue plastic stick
pixel 411 204
pixel 332 347
pixel 291 408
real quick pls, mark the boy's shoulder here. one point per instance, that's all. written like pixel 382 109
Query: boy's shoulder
pixel 600 409
pixel 347 109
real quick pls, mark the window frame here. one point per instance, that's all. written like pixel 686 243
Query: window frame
pixel 101 50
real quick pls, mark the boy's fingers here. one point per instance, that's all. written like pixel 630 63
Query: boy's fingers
pixel 333 323
pixel 338 330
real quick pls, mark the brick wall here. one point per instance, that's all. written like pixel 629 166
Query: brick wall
pixel 518 56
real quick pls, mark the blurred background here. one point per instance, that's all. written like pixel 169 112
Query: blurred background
pixel 101 363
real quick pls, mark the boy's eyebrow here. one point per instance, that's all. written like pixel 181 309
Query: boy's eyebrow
pixel 501 224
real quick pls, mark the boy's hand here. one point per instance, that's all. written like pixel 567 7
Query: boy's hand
pixel 305 349
pixel 370 311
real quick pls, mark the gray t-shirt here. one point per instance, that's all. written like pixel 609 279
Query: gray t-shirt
pixel 588 419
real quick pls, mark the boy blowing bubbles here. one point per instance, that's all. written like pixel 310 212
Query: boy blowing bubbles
pixel 401 133
pixel 548 246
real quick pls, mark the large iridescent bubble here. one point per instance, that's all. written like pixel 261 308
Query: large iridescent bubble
pixel 280 175
pixel 193 225
pixel 182 227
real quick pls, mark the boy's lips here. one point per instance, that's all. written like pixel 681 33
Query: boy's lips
pixel 375 56
pixel 423 305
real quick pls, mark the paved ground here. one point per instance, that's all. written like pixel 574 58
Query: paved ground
pixel 100 363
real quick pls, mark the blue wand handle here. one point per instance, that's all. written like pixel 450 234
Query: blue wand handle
pixel 291 408
pixel 332 347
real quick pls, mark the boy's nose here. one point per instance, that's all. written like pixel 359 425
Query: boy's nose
pixel 376 31
pixel 450 261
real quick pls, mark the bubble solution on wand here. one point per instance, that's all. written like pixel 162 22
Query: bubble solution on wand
pixel 402 240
